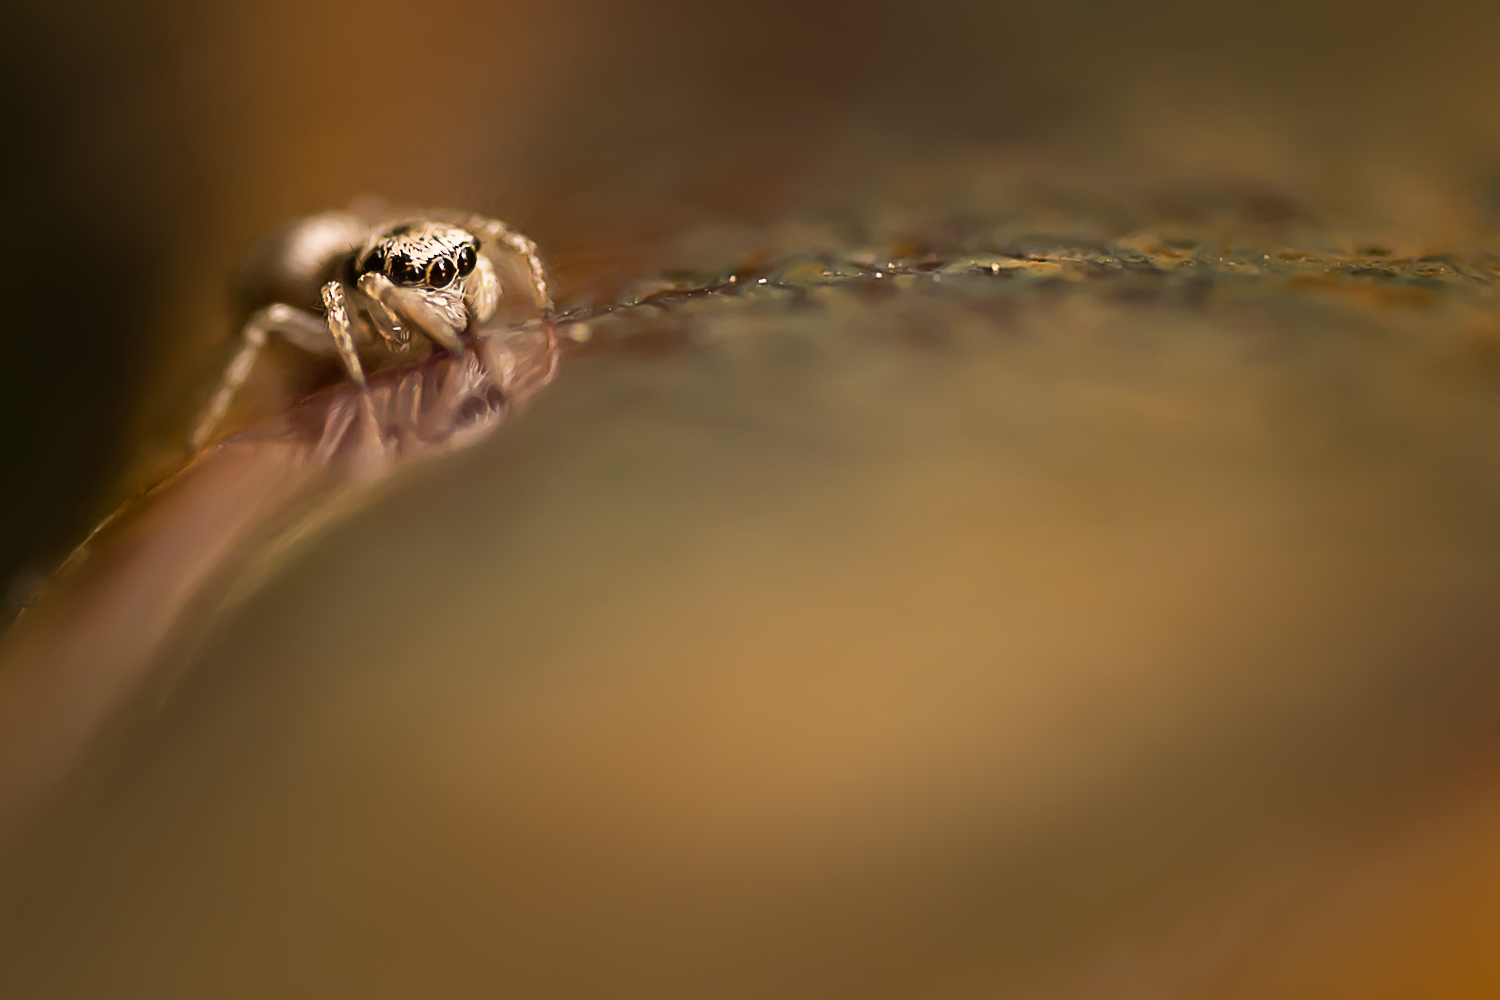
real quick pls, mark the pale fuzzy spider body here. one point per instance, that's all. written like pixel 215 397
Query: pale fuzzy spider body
pixel 338 285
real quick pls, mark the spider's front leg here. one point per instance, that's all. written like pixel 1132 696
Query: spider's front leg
pixel 298 326
pixel 443 317
pixel 327 336
pixel 341 330
pixel 494 231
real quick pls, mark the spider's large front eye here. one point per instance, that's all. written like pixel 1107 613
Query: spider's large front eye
pixel 403 270
pixel 467 258
pixel 375 263
pixel 440 272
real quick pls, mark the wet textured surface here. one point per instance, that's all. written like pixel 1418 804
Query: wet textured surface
pixel 1174 273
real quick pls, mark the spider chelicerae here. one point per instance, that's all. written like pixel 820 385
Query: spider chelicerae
pixel 340 285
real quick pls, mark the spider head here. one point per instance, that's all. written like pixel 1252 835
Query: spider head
pixel 429 254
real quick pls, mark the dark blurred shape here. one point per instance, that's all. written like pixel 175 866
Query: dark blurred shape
pixel 76 314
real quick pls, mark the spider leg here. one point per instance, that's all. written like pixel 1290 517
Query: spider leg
pixel 441 317
pixel 494 231
pixel 482 290
pixel 390 326
pixel 341 331
pixel 301 328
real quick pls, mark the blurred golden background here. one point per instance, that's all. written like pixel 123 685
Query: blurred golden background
pixel 1060 646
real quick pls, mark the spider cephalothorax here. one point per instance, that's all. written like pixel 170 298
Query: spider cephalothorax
pixel 337 284
pixel 420 253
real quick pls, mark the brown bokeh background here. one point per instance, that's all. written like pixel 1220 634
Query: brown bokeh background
pixel 1237 741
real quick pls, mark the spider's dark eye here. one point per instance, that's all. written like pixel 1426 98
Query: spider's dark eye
pixel 375 263
pixel 440 272
pixel 467 258
pixel 403 270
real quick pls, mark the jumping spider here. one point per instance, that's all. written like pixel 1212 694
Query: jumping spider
pixel 338 284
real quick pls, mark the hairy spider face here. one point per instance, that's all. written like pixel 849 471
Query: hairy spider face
pixel 430 254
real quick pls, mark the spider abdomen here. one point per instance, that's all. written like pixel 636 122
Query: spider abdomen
pixel 293 262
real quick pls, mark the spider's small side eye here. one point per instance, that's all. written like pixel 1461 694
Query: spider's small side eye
pixel 467 258
pixel 375 263
pixel 440 272
pixel 403 270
